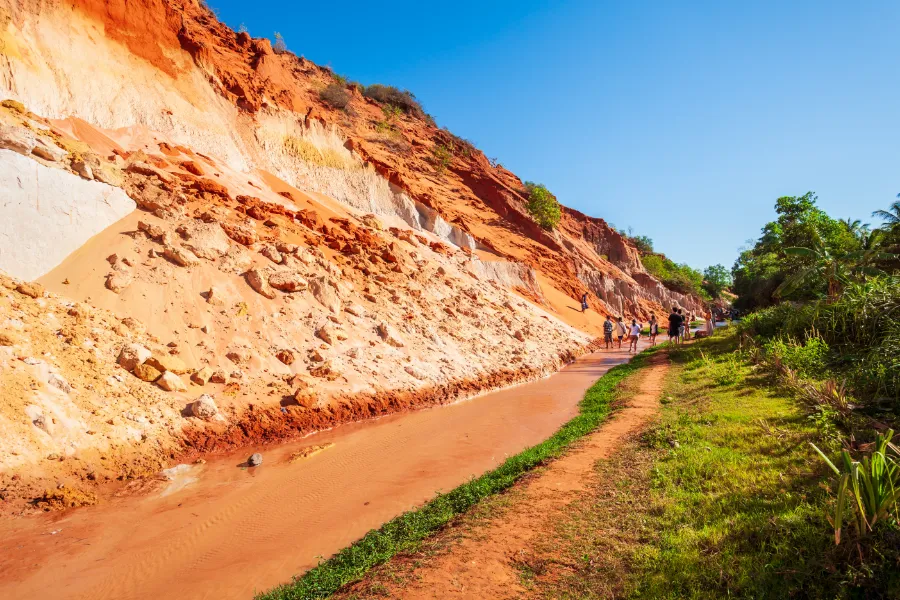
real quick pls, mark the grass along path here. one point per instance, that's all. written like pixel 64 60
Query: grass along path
pixel 722 497
pixel 406 532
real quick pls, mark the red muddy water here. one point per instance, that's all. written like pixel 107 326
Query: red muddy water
pixel 224 531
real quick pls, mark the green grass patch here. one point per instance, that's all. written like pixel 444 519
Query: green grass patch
pixel 405 532
pixel 721 498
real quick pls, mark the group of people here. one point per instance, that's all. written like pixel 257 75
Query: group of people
pixel 679 326
pixel 632 332
pixel 616 331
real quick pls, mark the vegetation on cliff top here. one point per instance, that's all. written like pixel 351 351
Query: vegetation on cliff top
pixel 542 205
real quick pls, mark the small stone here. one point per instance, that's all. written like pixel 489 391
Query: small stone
pixel 181 256
pixel 204 407
pixel 146 372
pixel 326 334
pixel 132 355
pixel 389 335
pixel 59 383
pixel 218 377
pixel 83 169
pixel 255 460
pixel 325 294
pixel 31 289
pixel 171 382
pixel 288 282
pixel 152 231
pixel 215 296
pixel 258 280
pixel 272 254
pixel 202 376
pixel 167 362
pixel 285 356
pixel 372 221
pixel 117 281
pixel 239 356
pixel 414 372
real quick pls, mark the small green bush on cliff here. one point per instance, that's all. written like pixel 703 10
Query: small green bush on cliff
pixel 542 205
pixel 335 95
pixel 388 94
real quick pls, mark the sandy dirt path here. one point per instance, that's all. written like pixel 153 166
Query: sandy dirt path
pixel 233 531
pixel 487 563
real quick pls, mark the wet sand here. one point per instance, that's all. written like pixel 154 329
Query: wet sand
pixel 222 531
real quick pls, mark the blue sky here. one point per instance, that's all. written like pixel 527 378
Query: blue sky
pixel 683 120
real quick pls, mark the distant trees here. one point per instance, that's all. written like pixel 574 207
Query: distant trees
pixel 806 255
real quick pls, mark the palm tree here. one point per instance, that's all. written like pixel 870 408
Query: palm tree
pixel 836 268
pixel 891 216
pixel 856 227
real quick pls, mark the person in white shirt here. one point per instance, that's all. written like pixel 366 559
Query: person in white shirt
pixel 635 335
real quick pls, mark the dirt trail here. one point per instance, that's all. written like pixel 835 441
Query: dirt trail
pixel 233 532
pixel 485 564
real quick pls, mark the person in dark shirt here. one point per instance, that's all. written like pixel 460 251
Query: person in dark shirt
pixel 607 332
pixel 675 321
pixel 584 305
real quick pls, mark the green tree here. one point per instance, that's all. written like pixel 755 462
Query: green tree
pixel 891 216
pixel 716 279
pixel 643 243
pixel 542 205
pixel 835 267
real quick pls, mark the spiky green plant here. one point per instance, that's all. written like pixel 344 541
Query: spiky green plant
pixel 869 488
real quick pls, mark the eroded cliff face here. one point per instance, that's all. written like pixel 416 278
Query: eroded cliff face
pixel 170 66
pixel 200 222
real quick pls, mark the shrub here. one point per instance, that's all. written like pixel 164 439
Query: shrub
pixel 335 95
pixel 442 157
pixel 542 205
pixel 643 243
pixel 862 329
pixel 809 359
pixel 279 46
pixel 388 94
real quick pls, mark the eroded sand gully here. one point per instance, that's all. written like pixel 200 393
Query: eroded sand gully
pixel 235 532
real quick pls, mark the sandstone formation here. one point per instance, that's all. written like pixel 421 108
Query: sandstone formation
pixel 216 220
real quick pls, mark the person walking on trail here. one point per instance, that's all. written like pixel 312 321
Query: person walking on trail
pixel 621 330
pixel 675 321
pixel 584 305
pixel 682 326
pixel 654 329
pixel 634 336
pixel 607 332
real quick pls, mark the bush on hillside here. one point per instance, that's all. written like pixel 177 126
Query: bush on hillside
pixel 680 278
pixel 335 95
pixel 280 46
pixel 388 94
pixel 862 329
pixel 543 206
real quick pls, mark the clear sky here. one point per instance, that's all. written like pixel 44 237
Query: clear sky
pixel 683 120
